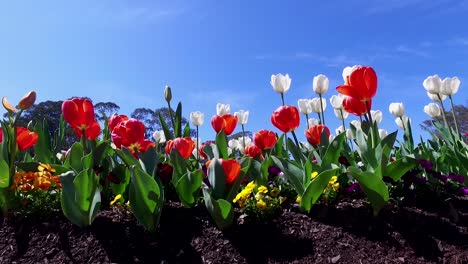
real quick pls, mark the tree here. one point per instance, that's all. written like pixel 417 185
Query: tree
pixel 461 112
pixel 239 134
pixel 104 110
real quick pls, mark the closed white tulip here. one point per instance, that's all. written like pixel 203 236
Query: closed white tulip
pixel 320 84
pixel 313 122
pixel 356 123
pixel 233 144
pixel 242 117
pixel 197 118
pixel 432 84
pixel 432 109
pixel 159 136
pixel 349 134
pixel 397 109
pixel 376 116
pixel 337 101
pixel 280 82
pixel 241 140
pixel 341 113
pixel 382 133
pixel 401 124
pixel 450 86
pixel 223 109
pixel 305 106
pixel 435 97
pixel 315 103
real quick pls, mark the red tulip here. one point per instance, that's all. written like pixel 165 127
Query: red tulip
pixel 131 134
pixel 226 122
pixel 253 151
pixel 231 169
pixel 202 146
pixel 114 120
pixel 355 106
pixel 184 146
pixel 24 138
pixel 361 85
pixel 79 114
pixel 314 134
pixel 285 118
pixel 265 139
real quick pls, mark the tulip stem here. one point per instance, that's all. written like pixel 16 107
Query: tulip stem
pixel 369 112
pixel 342 120
pixel 307 120
pixel 443 111
pixel 403 123
pixel 172 118
pixel 295 139
pixel 321 108
pixel 243 136
pixel 454 116
pixel 198 151
pixel 282 98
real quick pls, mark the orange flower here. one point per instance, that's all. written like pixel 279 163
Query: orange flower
pixel 79 114
pixel 265 139
pixel 314 134
pixel 226 122
pixel 231 169
pixel 285 118
pixel 24 138
pixel 184 146
pixel 253 151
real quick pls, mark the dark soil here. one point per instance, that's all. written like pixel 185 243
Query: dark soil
pixel 346 233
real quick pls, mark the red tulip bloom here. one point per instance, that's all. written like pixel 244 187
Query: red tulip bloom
pixel 314 134
pixel 226 122
pixel 131 134
pixel 231 169
pixel 362 84
pixel 79 114
pixel 24 138
pixel 265 139
pixel 114 120
pixel 285 118
pixel 355 106
pixel 253 151
pixel 201 147
pixel 184 146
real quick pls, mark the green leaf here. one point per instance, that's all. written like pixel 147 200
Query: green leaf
pixel 42 149
pixel 187 130
pixel 373 186
pixel 149 160
pixel 179 166
pixel 295 152
pixel 165 127
pixel 220 210
pixel 294 174
pixel 278 149
pixel 211 151
pixel 73 160
pixel 217 179
pixel 398 168
pixel 333 151
pixel 222 144
pixel 315 188
pixel 4 174
pixel 178 121
pixel 188 187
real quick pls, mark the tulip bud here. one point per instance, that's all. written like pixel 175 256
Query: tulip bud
pixel 280 82
pixel 242 117
pixel 337 101
pixel 450 86
pixel 397 109
pixel 320 84
pixel 402 123
pixel 382 133
pixel 27 101
pixel 341 113
pixel 313 122
pixel 316 107
pixel 432 110
pixel 376 116
pixel 356 123
pixel 159 136
pixel 8 106
pixel 197 118
pixel 305 106
pixel 432 84
pixel 168 94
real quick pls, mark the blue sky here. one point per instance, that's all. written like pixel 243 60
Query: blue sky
pixel 226 51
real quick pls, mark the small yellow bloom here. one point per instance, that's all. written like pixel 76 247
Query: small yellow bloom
pixel 258 196
pixel 333 180
pixel 45 167
pixel 298 199
pixel 313 175
pixel 117 198
pixel 261 204
pixel 274 192
pixel 336 186
pixel 251 185
pixel 262 189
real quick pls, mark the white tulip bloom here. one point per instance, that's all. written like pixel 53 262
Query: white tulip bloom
pixel 313 122
pixel 349 134
pixel 432 109
pixel 331 137
pixel 356 123
pixel 435 97
pixel 280 83
pixel 401 124
pixel 340 130
pixel 241 140
pixel 320 84
pixel 376 116
pixel 397 109
pixel 242 117
pixel 233 144
pixel 315 104
pixel 432 84
pixel 450 86
pixel 337 101
pixel 382 133
pixel 197 118
pixel 305 106
pixel 159 136
pixel 223 109
pixel 341 113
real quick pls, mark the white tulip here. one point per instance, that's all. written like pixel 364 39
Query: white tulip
pixel 315 104
pixel 280 82
pixel 320 84
pixel 432 109
pixel 347 72
pixel 241 140
pixel 159 136
pixel 356 123
pixel 376 116
pixel 402 124
pixel 313 122
pixel 382 133
pixel 341 113
pixel 197 118
pixel 397 109
pixel 450 86
pixel 435 97
pixel 340 130
pixel 305 106
pixel 233 144
pixel 223 109
pixel 337 101
pixel 242 117
pixel 432 84
pixel 349 134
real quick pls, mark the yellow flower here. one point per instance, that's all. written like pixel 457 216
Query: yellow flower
pixel 313 175
pixel 45 167
pixel 117 198
pixel 298 199
pixel 262 189
pixel 251 185
pixel 258 196
pixel 274 192
pixel 261 204
pixel 333 180
pixel 282 199
pixel 336 186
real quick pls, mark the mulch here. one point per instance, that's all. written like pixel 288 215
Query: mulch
pixel 343 233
